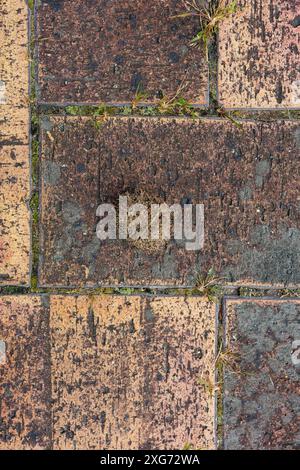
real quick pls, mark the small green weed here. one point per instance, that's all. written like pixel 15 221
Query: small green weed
pixel 176 105
pixel 140 97
pixel 223 114
pixel 211 13
pixel 208 284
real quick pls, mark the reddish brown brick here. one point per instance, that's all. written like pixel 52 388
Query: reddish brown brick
pixel 247 179
pixel 126 372
pixel 261 385
pixel 25 416
pixel 14 144
pixel 259 55
pixel 91 52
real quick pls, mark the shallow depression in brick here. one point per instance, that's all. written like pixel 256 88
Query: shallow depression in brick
pixel 247 179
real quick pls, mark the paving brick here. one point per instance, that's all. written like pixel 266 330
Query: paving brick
pixel 259 56
pixel 14 73
pixel 125 372
pixel 106 372
pixel 24 373
pixel 91 52
pixel 261 403
pixel 14 144
pixel 15 217
pixel 248 180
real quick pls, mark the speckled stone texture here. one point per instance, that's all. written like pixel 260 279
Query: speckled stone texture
pixel 126 372
pixel 25 390
pixel 14 144
pixel 94 51
pixel 14 73
pixel 247 179
pixel 107 372
pixel 259 55
pixel 262 395
pixel 15 218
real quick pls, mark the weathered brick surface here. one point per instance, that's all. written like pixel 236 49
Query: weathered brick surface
pixel 126 369
pixel 259 55
pixel 106 372
pixel 14 144
pixel 14 218
pixel 104 51
pixel 248 180
pixel 24 373
pixel 261 403
pixel 14 73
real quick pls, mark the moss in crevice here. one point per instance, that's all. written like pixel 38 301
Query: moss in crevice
pixel 34 201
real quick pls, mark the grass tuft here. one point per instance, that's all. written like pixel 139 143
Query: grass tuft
pixel 140 97
pixel 208 284
pixel 211 13
pixel 30 4
pixel 176 105
pixel 228 359
pixel 225 115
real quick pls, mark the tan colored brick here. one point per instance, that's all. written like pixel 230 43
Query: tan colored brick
pixel 14 73
pixel 126 370
pixel 259 55
pixel 14 144
pixel 15 217
pixel 25 416
pixel 118 372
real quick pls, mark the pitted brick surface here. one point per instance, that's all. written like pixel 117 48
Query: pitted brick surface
pixel 25 388
pixel 100 51
pixel 14 144
pixel 106 372
pixel 14 218
pixel 126 369
pixel 261 403
pixel 259 55
pixel 14 73
pixel 247 179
